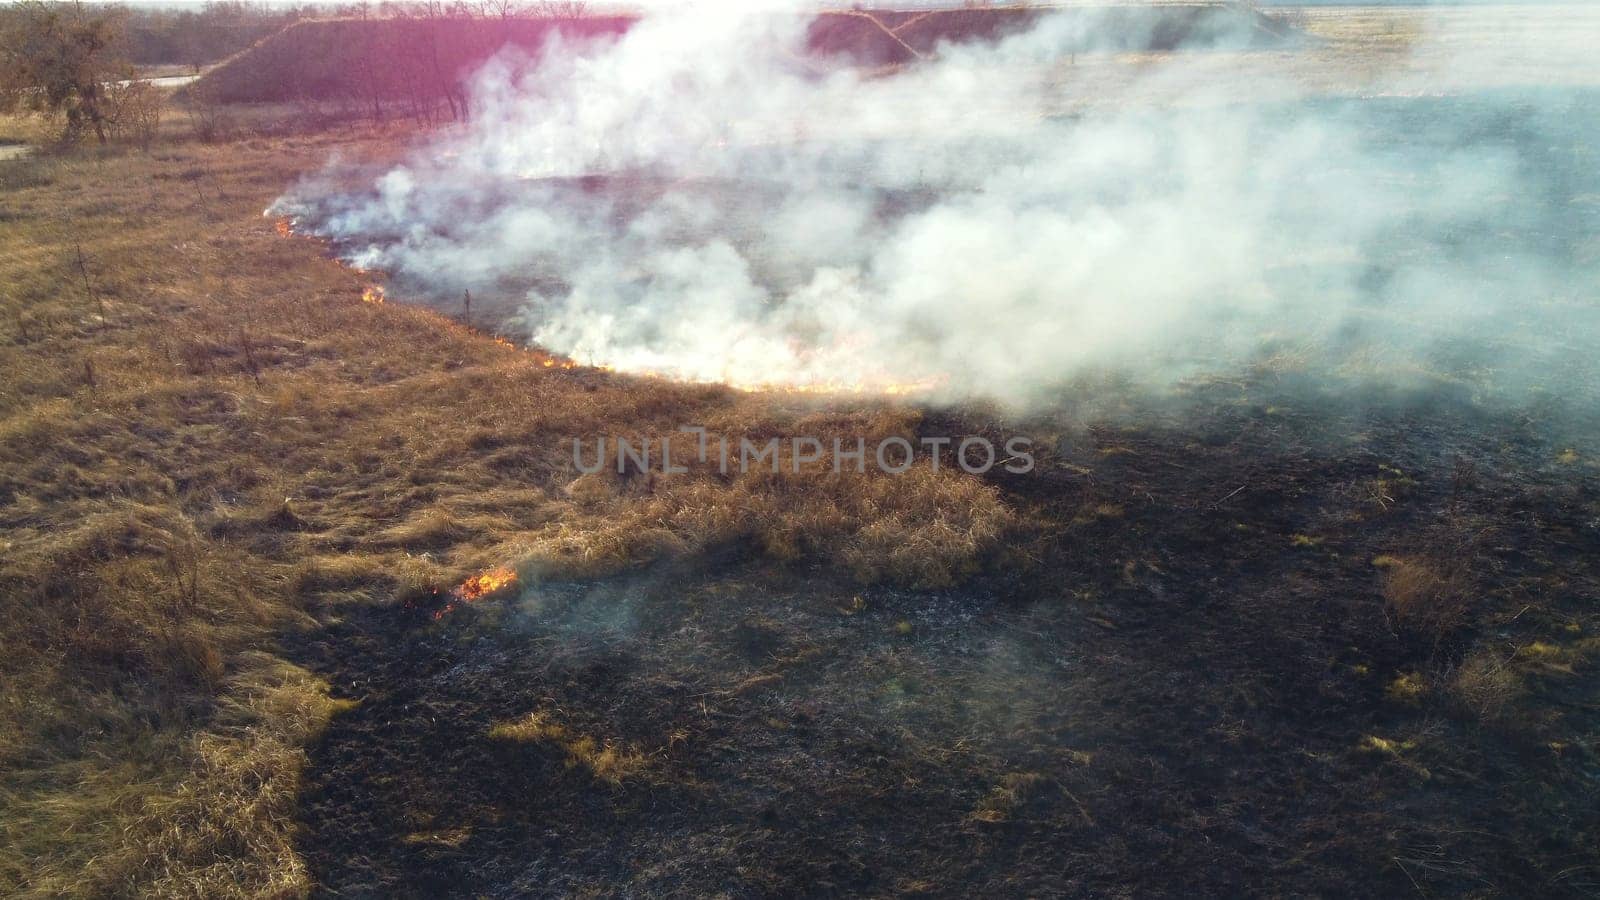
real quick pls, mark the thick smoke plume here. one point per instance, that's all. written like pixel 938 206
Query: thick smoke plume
pixel 702 198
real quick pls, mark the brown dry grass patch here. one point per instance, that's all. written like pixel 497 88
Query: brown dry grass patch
pixel 215 435
pixel 1424 598
pixel 604 760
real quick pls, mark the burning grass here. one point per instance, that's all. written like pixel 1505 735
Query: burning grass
pixel 484 584
pixel 1177 669
pixel 211 434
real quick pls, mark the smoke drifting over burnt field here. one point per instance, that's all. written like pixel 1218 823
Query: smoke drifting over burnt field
pixel 1238 644
pixel 696 199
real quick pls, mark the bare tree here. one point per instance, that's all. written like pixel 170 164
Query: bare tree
pixel 206 112
pixel 500 9
pixel 59 58
pixel 367 86
pixel 561 9
pixel 436 16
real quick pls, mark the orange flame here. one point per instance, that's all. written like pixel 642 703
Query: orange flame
pixel 476 588
pixel 284 227
pixel 485 583
pixel 543 357
pixel 551 361
pixel 372 293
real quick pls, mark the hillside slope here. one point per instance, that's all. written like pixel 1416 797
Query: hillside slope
pixel 399 59
pixel 380 58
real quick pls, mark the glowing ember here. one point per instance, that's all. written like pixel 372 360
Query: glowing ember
pixel 372 293
pixel 476 588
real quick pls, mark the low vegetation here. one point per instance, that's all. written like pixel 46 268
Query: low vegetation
pixel 1269 641
pixel 206 433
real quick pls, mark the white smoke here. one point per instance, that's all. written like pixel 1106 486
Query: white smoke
pixel 702 199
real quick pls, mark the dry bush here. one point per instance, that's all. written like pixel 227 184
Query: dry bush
pixel 925 529
pixel 434 528
pixel 920 527
pixel 559 9
pixel 132 588
pixel 227 830
pixel 1407 689
pixel 1484 686
pixel 331 572
pixel 1420 599
pixel 211 816
pixel 133 112
pixel 208 116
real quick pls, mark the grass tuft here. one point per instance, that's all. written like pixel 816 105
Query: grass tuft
pixel 604 760
pixel 1421 600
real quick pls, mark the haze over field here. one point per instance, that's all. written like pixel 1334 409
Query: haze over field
pixel 977 222
pixel 1283 583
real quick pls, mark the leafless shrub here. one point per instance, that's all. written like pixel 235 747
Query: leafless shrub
pixel 133 112
pixel 1484 686
pixel 207 114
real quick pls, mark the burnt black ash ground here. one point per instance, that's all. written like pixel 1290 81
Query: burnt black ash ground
pixel 1175 684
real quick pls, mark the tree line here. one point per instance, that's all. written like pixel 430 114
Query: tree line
pixel 204 34
pixel 81 61
pixel 391 60
pixel 64 58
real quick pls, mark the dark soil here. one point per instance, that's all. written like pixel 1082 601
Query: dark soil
pixel 1171 686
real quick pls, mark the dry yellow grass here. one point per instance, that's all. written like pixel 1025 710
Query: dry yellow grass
pixel 30 128
pixel 922 528
pixel 1002 801
pixel 1407 689
pixel 213 435
pixel 1422 599
pixel 602 759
